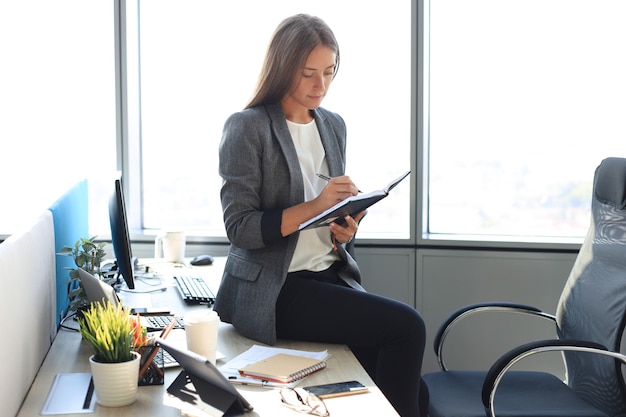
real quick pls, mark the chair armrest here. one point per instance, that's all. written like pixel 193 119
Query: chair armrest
pixel 506 361
pixel 465 311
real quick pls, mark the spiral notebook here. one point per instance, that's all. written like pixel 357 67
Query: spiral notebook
pixel 283 368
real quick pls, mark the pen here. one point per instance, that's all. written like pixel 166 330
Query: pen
pixel 166 331
pixel 326 178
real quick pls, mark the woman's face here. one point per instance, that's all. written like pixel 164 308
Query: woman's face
pixel 311 83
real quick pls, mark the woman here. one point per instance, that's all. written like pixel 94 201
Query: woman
pixel 279 282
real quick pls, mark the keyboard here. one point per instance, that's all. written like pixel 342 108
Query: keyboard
pixel 165 360
pixel 194 290
pixel 154 323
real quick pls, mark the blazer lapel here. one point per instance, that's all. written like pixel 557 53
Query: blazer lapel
pixel 331 145
pixel 281 132
pixel 330 142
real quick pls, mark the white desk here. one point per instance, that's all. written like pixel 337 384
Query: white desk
pixel 69 354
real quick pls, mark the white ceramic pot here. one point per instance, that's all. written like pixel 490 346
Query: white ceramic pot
pixel 115 383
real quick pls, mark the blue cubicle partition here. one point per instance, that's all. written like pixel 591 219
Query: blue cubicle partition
pixel 70 214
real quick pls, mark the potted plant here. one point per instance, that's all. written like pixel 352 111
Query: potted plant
pixel 114 337
pixel 88 255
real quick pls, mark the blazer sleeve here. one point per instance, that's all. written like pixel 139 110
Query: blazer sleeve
pixel 252 215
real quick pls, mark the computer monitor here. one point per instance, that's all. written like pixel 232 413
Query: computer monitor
pixel 120 236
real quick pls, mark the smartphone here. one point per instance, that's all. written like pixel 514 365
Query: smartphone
pixel 337 389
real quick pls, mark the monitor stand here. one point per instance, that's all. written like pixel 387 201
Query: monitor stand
pixel 119 280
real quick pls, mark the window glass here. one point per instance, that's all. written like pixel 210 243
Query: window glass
pixel 199 64
pixel 57 106
pixel 526 98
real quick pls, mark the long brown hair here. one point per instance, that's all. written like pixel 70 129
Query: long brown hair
pixel 292 42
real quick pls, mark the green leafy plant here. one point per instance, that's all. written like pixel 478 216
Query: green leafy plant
pixel 111 332
pixel 88 255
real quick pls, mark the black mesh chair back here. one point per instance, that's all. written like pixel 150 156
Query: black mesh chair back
pixel 593 304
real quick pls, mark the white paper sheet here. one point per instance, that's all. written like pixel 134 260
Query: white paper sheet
pixel 70 394
pixel 257 353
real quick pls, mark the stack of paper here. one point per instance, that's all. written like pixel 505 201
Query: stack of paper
pixel 260 353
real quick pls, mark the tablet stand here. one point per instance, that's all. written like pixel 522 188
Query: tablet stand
pixel 204 395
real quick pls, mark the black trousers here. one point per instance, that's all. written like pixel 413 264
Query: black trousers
pixel 386 336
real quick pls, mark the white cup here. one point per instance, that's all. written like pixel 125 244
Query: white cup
pixel 201 332
pixel 170 245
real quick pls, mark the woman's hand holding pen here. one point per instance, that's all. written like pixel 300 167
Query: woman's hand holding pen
pixel 338 189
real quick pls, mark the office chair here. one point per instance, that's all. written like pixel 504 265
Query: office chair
pixel 589 320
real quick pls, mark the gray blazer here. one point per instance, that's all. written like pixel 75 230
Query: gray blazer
pixel 262 177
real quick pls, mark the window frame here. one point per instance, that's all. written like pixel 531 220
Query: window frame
pixel 129 145
pixel 129 129
pixel 425 239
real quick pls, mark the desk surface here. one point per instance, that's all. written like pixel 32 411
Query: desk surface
pixel 69 354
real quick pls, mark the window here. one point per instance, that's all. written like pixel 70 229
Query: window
pixel 521 101
pixel 57 105
pixel 199 63
pixel 524 99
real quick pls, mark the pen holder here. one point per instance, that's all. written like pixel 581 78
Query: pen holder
pixel 152 373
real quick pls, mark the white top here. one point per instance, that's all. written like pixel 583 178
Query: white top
pixel 314 251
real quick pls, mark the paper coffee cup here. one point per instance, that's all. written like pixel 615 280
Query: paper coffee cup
pixel 201 332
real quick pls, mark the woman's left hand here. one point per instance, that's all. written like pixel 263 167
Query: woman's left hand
pixel 344 233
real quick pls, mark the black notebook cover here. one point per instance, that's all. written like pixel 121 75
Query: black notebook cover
pixel 351 206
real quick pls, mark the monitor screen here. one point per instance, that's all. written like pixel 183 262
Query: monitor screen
pixel 120 236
